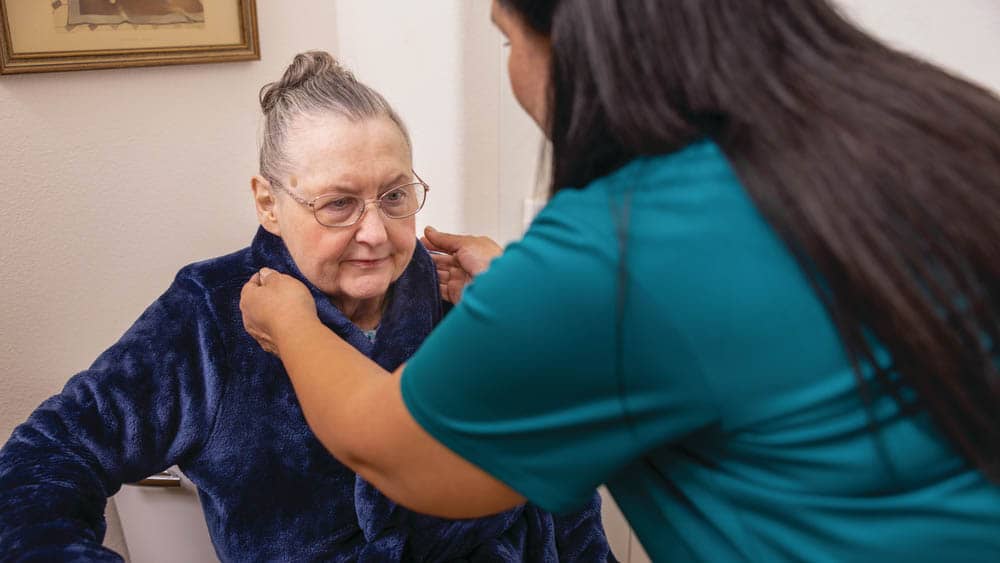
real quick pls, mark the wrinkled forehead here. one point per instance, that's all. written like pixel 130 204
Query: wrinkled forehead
pixel 331 151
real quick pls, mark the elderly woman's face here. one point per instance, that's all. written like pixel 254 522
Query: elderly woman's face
pixel 330 153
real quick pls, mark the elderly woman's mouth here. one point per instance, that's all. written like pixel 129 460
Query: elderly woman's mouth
pixel 372 263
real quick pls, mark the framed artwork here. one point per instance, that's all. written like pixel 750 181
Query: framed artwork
pixel 60 35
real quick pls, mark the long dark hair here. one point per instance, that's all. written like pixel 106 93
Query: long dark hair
pixel 880 171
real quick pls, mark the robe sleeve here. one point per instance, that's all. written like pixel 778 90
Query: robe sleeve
pixel 147 403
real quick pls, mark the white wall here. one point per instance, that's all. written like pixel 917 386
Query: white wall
pixel 962 35
pixel 436 62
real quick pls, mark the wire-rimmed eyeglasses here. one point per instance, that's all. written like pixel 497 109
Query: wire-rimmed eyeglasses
pixel 338 209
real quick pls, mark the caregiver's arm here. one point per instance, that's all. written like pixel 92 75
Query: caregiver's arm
pixel 357 410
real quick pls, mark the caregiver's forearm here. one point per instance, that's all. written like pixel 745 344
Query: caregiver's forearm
pixel 335 385
pixel 356 410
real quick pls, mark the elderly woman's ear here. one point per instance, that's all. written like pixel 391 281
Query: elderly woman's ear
pixel 264 201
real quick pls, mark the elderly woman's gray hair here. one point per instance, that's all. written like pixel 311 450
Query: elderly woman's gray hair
pixel 313 84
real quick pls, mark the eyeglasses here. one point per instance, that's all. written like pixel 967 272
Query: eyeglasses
pixel 344 210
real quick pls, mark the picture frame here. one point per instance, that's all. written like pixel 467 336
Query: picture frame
pixel 69 35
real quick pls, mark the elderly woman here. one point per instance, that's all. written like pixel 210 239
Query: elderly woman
pixel 336 196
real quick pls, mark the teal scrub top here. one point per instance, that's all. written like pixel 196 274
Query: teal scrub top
pixel 653 333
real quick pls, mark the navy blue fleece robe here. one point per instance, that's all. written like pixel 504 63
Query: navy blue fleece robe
pixel 186 385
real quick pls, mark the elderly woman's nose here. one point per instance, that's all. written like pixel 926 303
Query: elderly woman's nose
pixel 373 228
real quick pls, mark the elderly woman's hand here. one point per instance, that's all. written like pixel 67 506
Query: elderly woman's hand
pixel 465 257
pixel 272 304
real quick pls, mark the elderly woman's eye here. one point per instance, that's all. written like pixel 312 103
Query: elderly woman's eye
pixel 337 210
pixel 340 203
pixel 395 196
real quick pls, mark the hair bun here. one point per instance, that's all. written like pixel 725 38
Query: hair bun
pixel 304 67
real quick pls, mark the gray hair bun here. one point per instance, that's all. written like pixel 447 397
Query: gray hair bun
pixel 305 67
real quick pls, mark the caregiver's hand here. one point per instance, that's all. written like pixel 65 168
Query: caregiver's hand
pixel 272 304
pixel 466 257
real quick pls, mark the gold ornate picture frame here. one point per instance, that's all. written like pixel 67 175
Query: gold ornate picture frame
pixel 63 35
